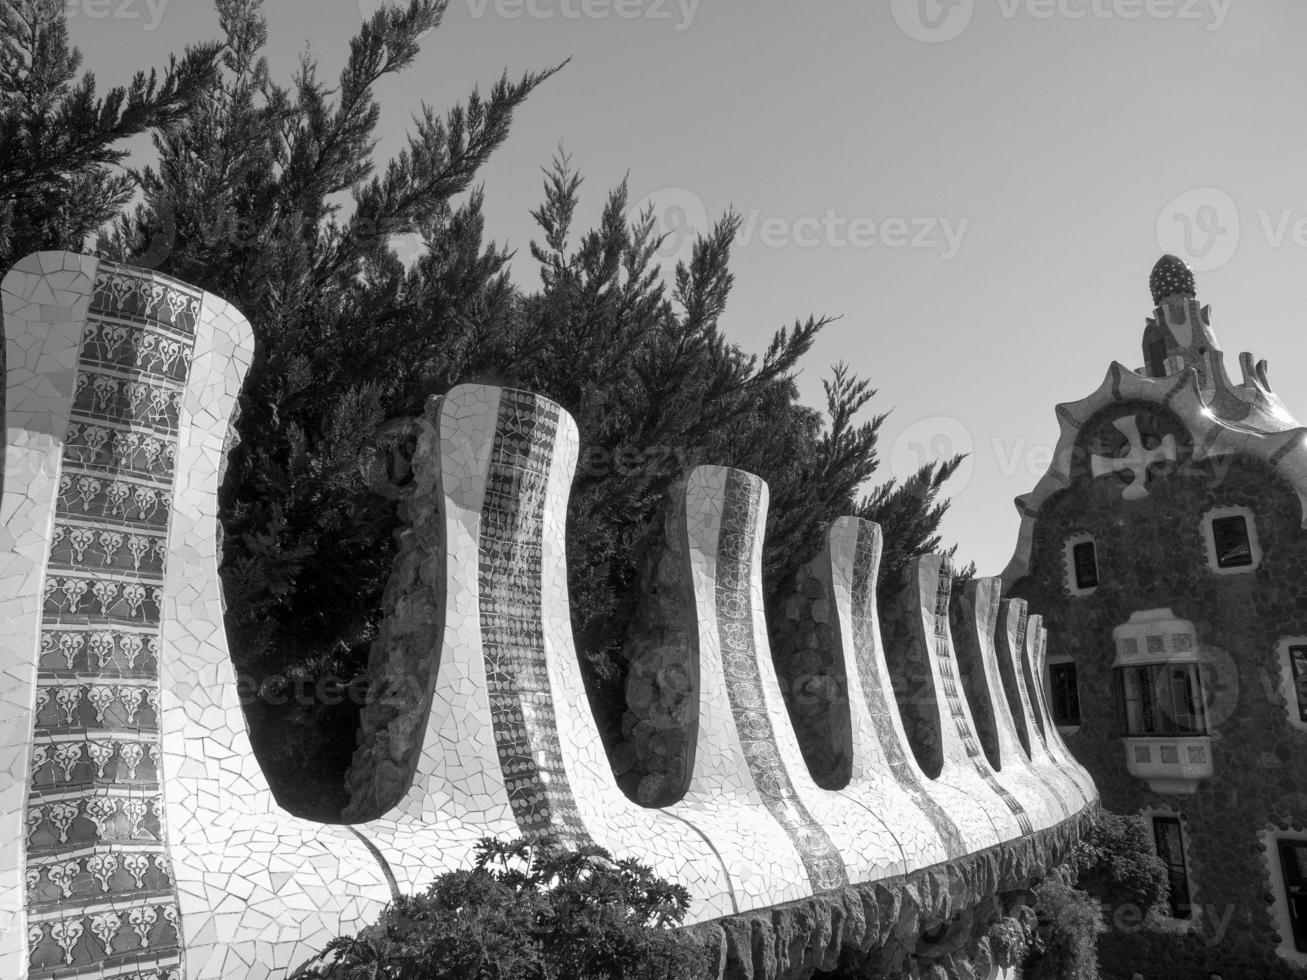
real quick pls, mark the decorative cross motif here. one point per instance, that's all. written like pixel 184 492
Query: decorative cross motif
pixel 1136 461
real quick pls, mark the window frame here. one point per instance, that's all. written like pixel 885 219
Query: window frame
pixel 1298 919
pixel 1071 572
pixel 1061 666
pixel 1272 838
pixel 1147 700
pixel 1221 514
pixel 1177 864
pixel 1155 652
pixel 1293 685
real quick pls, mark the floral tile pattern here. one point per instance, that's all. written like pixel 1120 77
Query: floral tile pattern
pixel 100 891
pixel 141 840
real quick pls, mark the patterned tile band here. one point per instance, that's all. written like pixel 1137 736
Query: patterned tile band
pixel 867 658
pixel 953 696
pixel 1015 656
pixel 744 684
pixel 512 631
pixel 1036 651
pixel 990 655
pixel 1019 667
pixel 101 900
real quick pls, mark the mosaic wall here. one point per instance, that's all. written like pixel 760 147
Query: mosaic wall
pixel 1142 465
pixel 99 877
pixel 147 842
pixel 1151 554
pixel 140 838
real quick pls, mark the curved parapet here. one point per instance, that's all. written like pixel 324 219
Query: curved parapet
pixel 748 827
pixel 1040 792
pixel 930 686
pixel 140 837
pixel 509 743
pixel 147 843
pixel 883 770
pixel 745 748
pixel 1010 648
pixel 744 738
pixel 1036 649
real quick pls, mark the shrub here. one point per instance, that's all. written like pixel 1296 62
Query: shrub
pixel 1118 864
pixel 1009 940
pixel 1069 923
pixel 527 910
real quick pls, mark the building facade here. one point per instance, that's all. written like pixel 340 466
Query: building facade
pixel 1166 549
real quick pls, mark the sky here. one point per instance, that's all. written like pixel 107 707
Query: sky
pixel 977 188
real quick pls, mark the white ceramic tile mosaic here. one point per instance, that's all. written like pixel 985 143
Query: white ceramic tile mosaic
pixel 1036 652
pixel 148 844
pixel 1014 769
pixel 1011 646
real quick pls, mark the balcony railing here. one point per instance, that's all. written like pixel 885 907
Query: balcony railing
pixel 1169 764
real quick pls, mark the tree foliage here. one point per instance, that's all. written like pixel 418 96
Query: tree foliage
pixel 1063 947
pixel 269 194
pixel 1117 862
pixel 60 142
pixel 527 910
pixel 249 195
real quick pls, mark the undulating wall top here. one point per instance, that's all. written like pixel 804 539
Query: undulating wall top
pixel 146 843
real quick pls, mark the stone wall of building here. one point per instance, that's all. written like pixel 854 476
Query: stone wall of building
pixel 1152 553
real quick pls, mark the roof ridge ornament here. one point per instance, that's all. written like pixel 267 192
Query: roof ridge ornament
pixel 1171 276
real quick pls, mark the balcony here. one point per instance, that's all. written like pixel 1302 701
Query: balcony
pixel 1160 683
pixel 1169 764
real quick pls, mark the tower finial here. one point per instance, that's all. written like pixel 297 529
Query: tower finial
pixel 1171 277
